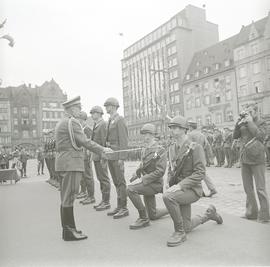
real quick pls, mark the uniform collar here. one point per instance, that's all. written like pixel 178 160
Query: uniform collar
pixel 114 116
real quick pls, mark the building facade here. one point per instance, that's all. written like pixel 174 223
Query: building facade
pixel 252 64
pixel 27 112
pixel 154 66
pixel 209 86
pixel 223 78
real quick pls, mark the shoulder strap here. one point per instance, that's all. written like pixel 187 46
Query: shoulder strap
pixel 71 134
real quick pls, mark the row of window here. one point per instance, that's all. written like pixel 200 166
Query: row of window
pixel 217 118
pixel 48 124
pixel 24 110
pixel 256 68
pixel 175 99
pixel 4 128
pixel 206 70
pixel 157 34
pixel 257 88
pixel 216 83
pixel 25 133
pixel 24 121
pixel 4 117
pixel 47 104
pixel 242 52
pixel 52 114
pixel 207 100
pixel 4 105
pixel 5 139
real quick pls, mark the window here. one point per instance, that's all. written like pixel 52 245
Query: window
pixel 216 83
pixel 218 118
pixel 254 49
pixel 189 104
pixel 217 98
pixel 217 65
pixel 207 100
pixel 205 86
pixel 15 121
pixel 242 72
pixel 25 121
pixel 25 134
pixel 198 63
pixel 227 63
pixel 188 76
pixel 256 67
pixel 243 90
pixel 16 132
pixel 206 70
pixel 176 99
pixel 172 62
pixel 15 110
pixel 44 114
pixel 208 119
pixel 33 111
pixel 34 121
pixel 228 79
pixel 197 102
pixel 229 115
pixel 188 90
pixel 174 87
pixel 34 133
pixel 257 87
pixel 199 121
pixel 197 74
pixel 25 110
pixel 228 95
pixel 173 74
pixel 171 50
pixel 240 53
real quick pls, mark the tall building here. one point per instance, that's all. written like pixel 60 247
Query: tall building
pixel 252 64
pixel 224 77
pixel 26 112
pixel 209 86
pixel 154 66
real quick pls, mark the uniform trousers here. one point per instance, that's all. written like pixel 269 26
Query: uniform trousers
pixel 134 192
pixel 258 172
pixel 41 165
pixel 218 154
pixel 117 172
pixel 47 161
pixel 69 186
pixel 178 204
pixel 87 182
pixel 103 178
pixel 228 155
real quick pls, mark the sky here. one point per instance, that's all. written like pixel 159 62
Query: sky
pixel 77 43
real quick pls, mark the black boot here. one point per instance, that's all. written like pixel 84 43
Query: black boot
pixel 211 214
pixel 123 212
pixel 116 210
pixel 141 222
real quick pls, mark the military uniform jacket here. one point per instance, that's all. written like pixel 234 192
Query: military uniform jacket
pixel 218 141
pixel 154 172
pixel 251 136
pixel 68 157
pixel 193 170
pixel 228 139
pixel 117 136
pixel 99 136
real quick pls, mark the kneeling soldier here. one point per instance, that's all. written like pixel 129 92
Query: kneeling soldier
pixel 151 171
pixel 187 169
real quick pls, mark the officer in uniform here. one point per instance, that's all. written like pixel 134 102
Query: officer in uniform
pixel 217 146
pixel 227 146
pixel 70 164
pixel 197 137
pixel 186 170
pixel 117 139
pixel 87 182
pixel 150 175
pixel 251 132
pixel 99 136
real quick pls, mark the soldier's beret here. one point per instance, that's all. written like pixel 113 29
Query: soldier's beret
pixel 72 102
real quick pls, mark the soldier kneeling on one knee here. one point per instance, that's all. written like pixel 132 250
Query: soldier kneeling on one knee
pixel 148 179
pixel 187 169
